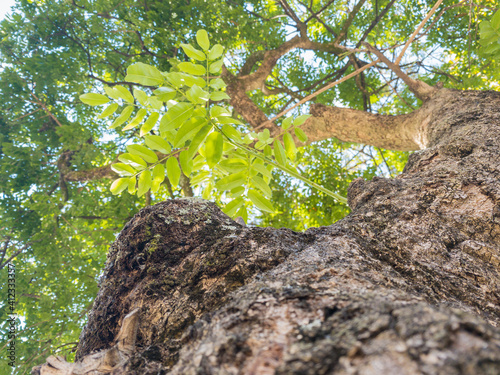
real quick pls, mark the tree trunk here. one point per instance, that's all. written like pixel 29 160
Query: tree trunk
pixel 408 283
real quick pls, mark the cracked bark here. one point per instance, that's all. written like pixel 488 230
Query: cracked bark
pixel 408 283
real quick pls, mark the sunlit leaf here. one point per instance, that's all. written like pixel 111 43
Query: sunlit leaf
pixel 259 200
pixel 176 116
pixel 119 185
pixel 109 110
pixel 215 52
pixel 141 96
pixel 186 163
pixel 155 142
pixel 141 113
pixel 149 123
pixel 143 152
pixel 124 94
pixel 202 39
pixel 94 99
pixel 158 177
pixel 144 74
pixel 213 148
pixel 173 171
pixel 133 160
pixel 300 135
pixel 193 53
pixel 123 117
pixel 188 129
pixel 144 183
pixel 165 93
pixel 279 153
pixel 198 139
pixel 194 69
pixel 123 169
pixel 231 181
pixel 259 183
pixel 231 208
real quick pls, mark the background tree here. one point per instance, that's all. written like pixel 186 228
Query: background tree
pixel 58 215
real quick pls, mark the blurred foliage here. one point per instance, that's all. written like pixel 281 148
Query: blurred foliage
pixel 58 218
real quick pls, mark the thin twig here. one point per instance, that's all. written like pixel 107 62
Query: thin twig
pixel 314 94
pixel 417 30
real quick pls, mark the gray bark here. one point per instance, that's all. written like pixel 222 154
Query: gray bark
pixel 408 283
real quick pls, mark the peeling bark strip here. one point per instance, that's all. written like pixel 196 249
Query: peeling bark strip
pixel 408 283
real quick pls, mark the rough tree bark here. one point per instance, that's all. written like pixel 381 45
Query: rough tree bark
pixel 408 283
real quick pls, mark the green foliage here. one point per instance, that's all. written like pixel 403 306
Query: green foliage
pixel 217 146
pixel 55 202
pixel 490 36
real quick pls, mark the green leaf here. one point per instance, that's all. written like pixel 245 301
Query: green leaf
pixel 158 177
pixel 233 165
pixel 261 202
pixel 300 135
pixel 237 191
pixel 217 83
pixel 287 123
pixel 149 123
pixel 216 67
pixel 259 168
pixel 291 150
pixel 173 171
pixel 144 183
pixel 218 111
pixel 165 93
pixel 194 69
pixel 213 148
pixel 111 92
pixel 190 80
pixel 228 120
pixel 198 139
pixel 143 152
pixel 94 99
pixel 279 153
pixel 207 190
pixel 242 212
pixel 133 160
pixel 189 128
pixel 155 102
pixel 262 186
pixel 141 96
pixel 231 208
pixel 109 110
pixel 119 185
pixel 300 120
pixel 144 74
pixel 123 169
pixel 132 182
pixel 176 116
pixel 186 163
pixel 202 39
pixel 124 94
pixel 155 142
pixel 495 20
pixel 231 133
pixel 123 117
pixel 197 95
pixel 193 53
pixel 141 113
pixel 215 52
pixel 219 95
pixel 231 181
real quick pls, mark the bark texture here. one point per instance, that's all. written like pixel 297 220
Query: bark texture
pixel 408 283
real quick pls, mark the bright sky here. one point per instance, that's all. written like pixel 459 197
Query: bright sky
pixel 5 7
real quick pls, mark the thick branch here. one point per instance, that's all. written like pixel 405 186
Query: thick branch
pixel 350 125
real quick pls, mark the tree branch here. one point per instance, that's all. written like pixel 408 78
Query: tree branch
pixel 421 89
